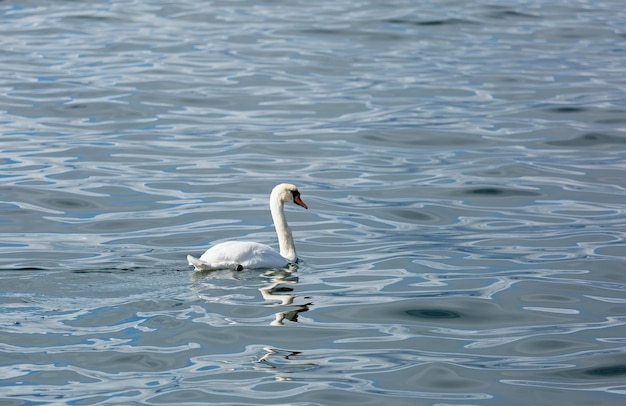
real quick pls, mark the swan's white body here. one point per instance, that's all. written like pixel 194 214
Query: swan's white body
pixel 252 255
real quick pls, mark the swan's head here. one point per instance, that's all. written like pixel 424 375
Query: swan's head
pixel 286 192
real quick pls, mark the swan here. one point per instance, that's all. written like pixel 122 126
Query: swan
pixel 238 255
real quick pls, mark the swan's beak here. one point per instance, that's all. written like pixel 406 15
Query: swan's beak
pixel 299 202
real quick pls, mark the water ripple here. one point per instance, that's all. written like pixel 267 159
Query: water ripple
pixel 463 167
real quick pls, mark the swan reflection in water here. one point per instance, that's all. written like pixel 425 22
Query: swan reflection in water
pixel 241 255
pixel 276 291
pixel 279 292
pixel 286 361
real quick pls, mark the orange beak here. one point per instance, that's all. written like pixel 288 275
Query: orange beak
pixel 299 202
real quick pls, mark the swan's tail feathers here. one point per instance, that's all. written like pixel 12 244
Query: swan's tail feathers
pixel 200 265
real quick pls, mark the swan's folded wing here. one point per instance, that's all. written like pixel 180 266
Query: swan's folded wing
pixel 250 255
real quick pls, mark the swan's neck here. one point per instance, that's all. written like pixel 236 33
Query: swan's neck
pixel 285 240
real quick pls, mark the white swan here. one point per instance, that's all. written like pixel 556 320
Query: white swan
pixel 238 255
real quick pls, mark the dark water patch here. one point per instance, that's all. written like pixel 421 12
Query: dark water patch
pixel 566 109
pixel 498 192
pixel 590 140
pixel 551 345
pixel 90 19
pixel 607 371
pixel 433 314
pixel 486 191
pixel 603 368
pixel 430 23
pixel 47 199
pixel 548 298
pixel 61 203
pixel 403 138
pixel 509 14
pixel 361 35
pixel 450 312
pixel 116 271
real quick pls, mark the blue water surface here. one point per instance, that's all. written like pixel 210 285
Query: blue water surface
pixel 464 166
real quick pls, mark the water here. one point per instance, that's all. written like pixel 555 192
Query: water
pixel 463 164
